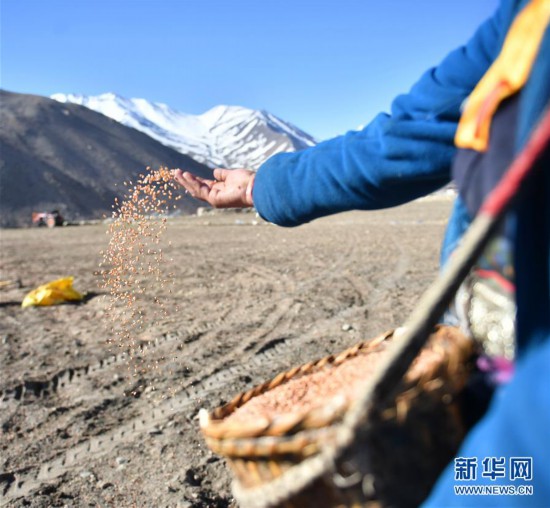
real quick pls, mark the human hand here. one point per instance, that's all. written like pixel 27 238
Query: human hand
pixel 232 188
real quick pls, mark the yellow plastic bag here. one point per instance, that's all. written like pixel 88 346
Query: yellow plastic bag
pixel 52 293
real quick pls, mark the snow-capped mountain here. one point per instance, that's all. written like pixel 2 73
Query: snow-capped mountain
pixel 224 136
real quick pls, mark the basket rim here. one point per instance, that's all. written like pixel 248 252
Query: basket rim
pixel 214 426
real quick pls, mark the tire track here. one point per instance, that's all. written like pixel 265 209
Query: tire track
pixel 283 294
pixel 32 389
pixel 261 352
pixel 18 484
pixel 215 378
pixel 332 271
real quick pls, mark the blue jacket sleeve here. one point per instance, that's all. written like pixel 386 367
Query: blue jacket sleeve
pixel 396 158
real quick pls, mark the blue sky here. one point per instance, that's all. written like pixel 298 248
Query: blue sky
pixel 326 65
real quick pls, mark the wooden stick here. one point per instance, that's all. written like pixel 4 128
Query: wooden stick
pixel 438 297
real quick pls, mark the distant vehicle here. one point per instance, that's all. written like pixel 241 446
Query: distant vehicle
pixel 50 219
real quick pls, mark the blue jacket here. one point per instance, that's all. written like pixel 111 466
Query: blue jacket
pixel 407 154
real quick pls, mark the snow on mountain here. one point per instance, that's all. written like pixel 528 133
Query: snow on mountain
pixel 224 136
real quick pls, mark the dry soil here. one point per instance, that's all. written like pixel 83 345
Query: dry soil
pixel 254 299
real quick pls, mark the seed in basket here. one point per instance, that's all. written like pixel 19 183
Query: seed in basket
pixel 308 392
pixel 408 439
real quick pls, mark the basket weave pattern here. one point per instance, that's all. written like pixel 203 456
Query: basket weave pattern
pixel 409 439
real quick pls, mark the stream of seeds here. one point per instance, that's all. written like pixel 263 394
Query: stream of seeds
pixel 134 272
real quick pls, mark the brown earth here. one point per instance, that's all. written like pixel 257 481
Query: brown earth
pixel 254 300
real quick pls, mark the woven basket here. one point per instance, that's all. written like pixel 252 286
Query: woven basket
pixel 281 460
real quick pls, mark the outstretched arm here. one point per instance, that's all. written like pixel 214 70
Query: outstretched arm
pixel 396 158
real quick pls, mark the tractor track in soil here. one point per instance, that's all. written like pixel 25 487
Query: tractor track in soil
pixel 256 307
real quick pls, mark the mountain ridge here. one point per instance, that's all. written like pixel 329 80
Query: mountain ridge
pixel 223 136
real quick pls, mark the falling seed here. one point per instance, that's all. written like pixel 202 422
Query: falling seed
pixel 132 253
